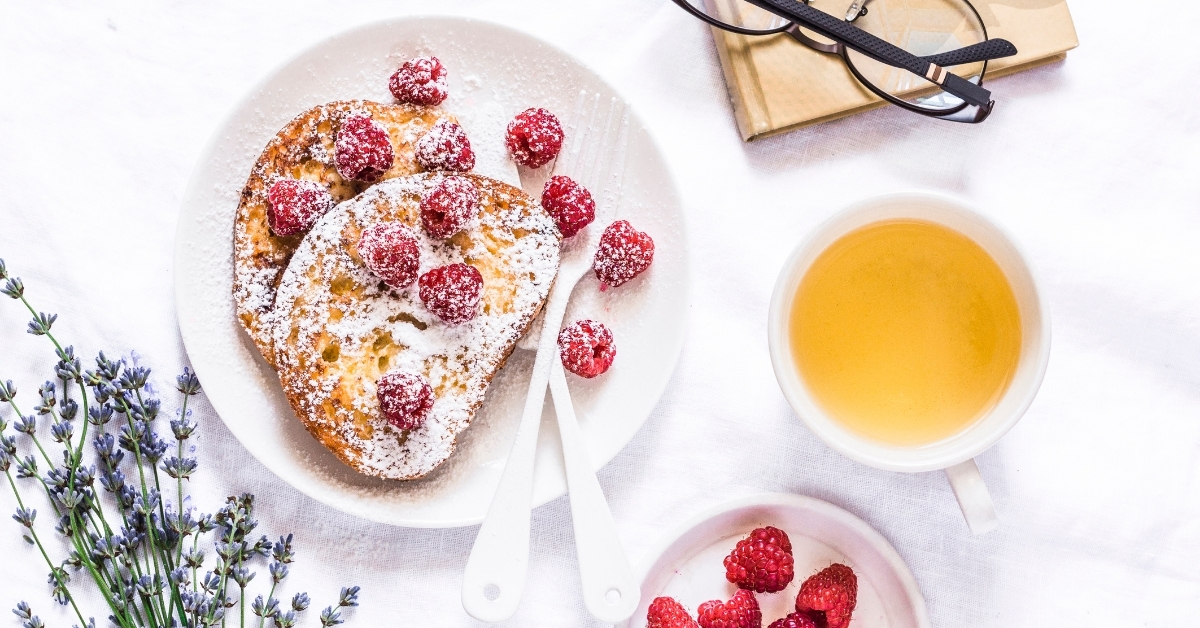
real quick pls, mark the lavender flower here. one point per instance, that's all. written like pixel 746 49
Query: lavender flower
pixel 25 517
pixel 28 619
pixel 26 424
pixel 349 596
pixel 285 620
pixel 68 367
pixel 330 617
pixel 187 383
pixel 41 323
pixel 14 288
pixel 132 538
pixel 7 391
pixel 264 609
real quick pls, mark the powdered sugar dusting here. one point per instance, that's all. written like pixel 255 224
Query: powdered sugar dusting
pixel 485 122
pixel 445 147
pixel 339 329
pixel 304 149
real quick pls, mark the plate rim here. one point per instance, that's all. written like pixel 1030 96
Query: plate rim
pixel 214 139
pixel 655 552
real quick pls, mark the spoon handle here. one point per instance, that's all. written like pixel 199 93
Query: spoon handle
pixel 494 579
pixel 610 591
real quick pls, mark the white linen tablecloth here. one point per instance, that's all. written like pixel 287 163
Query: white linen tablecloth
pixel 1092 163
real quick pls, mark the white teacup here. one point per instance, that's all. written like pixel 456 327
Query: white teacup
pixel 956 453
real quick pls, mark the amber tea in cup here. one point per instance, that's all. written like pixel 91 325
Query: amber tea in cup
pixel 905 331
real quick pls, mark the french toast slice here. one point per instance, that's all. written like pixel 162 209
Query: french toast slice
pixel 339 328
pixel 304 149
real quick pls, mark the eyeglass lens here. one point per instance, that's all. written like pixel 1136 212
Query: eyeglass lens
pixel 922 27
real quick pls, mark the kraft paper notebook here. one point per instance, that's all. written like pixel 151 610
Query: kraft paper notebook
pixel 776 84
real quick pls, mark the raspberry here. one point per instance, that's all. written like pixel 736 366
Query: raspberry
pixel 362 151
pixel 829 595
pixel 665 612
pixel 445 147
pixel 739 612
pixel 389 249
pixel 452 292
pixel 534 137
pixel 586 348
pixel 294 205
pixel 794 620
pixel 404 398
pixel 420 81
pixel 761 562
pixel 569 203
pixel 624 253
pixel 449 206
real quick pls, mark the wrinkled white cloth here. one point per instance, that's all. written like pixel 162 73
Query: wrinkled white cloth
pixel 1092 163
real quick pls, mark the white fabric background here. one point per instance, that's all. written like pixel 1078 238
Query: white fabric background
pixel 106 106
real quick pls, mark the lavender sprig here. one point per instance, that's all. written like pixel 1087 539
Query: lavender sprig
pixel 157 562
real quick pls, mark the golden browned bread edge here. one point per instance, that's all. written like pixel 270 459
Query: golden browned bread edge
pixel 304 149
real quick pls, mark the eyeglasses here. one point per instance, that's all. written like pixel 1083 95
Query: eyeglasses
pixel 898 49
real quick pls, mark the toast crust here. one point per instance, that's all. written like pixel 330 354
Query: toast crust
pixel 304 149
pixel 339 327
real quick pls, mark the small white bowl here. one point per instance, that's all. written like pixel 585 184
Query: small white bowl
pixel 687 563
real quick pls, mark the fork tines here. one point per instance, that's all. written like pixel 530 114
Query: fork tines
pixel 595 156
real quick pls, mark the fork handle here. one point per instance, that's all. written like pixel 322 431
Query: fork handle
pixel 499 559
pixel 611 593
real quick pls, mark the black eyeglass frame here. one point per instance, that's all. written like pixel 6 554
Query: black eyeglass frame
pixel 976 102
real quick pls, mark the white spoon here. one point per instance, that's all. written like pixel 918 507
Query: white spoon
pixel 494 579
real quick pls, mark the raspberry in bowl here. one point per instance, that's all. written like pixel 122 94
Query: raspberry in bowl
pixel 842 573
pixel 740 611
pixel 667 612
pixel 829 597
pixel 762 562
pixel 794 620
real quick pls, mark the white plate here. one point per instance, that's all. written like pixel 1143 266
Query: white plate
pixel 687 564
pixel 494 73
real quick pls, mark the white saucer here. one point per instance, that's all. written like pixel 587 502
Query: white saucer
pixel 494 73
pixel 687 563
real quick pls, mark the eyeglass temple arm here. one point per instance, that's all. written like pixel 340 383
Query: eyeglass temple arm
pixel 982 51
pixel 876 48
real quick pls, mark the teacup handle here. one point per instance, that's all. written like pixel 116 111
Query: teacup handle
pixel 973 498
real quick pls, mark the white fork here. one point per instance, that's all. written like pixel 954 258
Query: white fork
pixel 494 579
